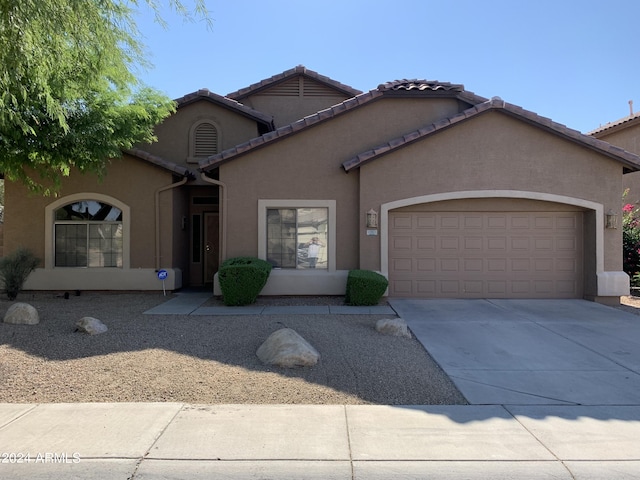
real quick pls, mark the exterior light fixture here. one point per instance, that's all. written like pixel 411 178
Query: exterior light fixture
pixel 372 219
pixel 610 220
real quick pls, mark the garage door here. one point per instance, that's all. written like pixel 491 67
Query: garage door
pixel 486 254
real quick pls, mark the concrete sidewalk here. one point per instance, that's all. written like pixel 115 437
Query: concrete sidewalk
pixel 334 442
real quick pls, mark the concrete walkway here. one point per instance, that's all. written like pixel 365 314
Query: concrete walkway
pixel 334 442
pixel 190 303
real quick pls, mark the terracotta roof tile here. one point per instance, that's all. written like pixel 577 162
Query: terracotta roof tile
pixel 160 162
pixel 628 159
pixel 292 72
pixel 421 85
pixel 622 123
pixel 204 94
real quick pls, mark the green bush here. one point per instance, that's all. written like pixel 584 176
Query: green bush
pixel 365 287
pixel 14 270
pixel 241 279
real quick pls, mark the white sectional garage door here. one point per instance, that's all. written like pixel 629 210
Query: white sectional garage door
pixel 486 254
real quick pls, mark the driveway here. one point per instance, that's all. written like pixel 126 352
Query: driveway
pixel 523 352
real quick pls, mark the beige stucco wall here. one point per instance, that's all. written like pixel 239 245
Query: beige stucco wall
pixel 491 152
pixel 130 181
pixel 308 165
pixel 173 133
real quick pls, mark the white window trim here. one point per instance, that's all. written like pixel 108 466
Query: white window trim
pixel 330 205
pixel 49 251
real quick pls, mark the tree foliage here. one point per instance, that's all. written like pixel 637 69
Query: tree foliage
pixel 68 94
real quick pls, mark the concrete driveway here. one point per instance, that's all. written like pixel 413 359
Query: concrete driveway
pixel 523 352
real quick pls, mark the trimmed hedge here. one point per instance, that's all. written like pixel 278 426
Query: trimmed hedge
pixel 365 287
pixel 242 279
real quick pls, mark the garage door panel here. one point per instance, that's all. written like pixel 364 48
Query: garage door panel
pixel 476 255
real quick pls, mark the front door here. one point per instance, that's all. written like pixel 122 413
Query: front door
pixel 211 245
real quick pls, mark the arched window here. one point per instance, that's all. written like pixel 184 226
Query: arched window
pixel 203 140
pixel 88 233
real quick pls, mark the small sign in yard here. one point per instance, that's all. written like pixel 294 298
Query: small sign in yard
pixel 162 275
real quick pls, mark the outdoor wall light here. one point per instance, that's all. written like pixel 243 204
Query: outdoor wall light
pixel 372 219
pixel 610 220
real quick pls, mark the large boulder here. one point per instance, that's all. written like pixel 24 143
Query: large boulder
pixel 22 314
pixel 393 326
pixel 286 348
pixel 90 325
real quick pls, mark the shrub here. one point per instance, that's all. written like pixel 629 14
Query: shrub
pixel 14 270
pixel 365 287
pixel 631 241
pixel 242 279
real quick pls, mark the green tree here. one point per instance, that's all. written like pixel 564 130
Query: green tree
pixel 69 97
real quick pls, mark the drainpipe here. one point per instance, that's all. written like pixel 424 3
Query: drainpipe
pixel 158 192
pixel 223 214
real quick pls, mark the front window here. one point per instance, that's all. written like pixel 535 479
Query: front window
pixel 88 233
pixel 297 237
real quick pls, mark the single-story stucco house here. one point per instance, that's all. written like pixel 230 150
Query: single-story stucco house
pixel 446 193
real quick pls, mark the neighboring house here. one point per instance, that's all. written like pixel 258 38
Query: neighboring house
pixel 446 193
pixel 624 133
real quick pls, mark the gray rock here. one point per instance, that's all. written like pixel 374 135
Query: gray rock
pixel 286 348
pixel 90 325
pixel 393 326
pixel 22 314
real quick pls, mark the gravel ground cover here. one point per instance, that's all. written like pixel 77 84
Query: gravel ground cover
pixel 206 359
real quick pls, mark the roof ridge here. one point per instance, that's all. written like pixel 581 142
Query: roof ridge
pixel 420 84
pixel 298 70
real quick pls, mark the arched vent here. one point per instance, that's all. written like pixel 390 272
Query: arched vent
pixel 206 140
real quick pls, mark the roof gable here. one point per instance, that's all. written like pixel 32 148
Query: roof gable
pixel 206 95
pixel 628 159
pixel 287 83
pixel 422 88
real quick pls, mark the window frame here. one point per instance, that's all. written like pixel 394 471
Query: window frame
pixel 50 225
pixel 330 205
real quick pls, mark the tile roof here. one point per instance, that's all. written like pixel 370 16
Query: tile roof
pixel 205 94
pixel 161 162
pixel 630 160
pixel 331 112
pixel 421 85
pixel 292 72
pixel 610 127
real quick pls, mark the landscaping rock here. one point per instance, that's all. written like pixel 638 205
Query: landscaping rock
pixel 22 314
pixel 393 326
pixel 286 348
pixel 90 325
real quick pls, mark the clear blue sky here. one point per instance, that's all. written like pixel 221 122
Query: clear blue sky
pixel 575 61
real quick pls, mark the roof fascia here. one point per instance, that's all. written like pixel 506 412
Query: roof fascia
pixel 160 162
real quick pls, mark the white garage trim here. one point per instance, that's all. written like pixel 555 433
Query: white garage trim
pixel 603 285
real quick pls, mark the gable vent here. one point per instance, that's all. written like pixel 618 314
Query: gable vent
pixel 290 88
pixel 315 89
pixel 206 140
